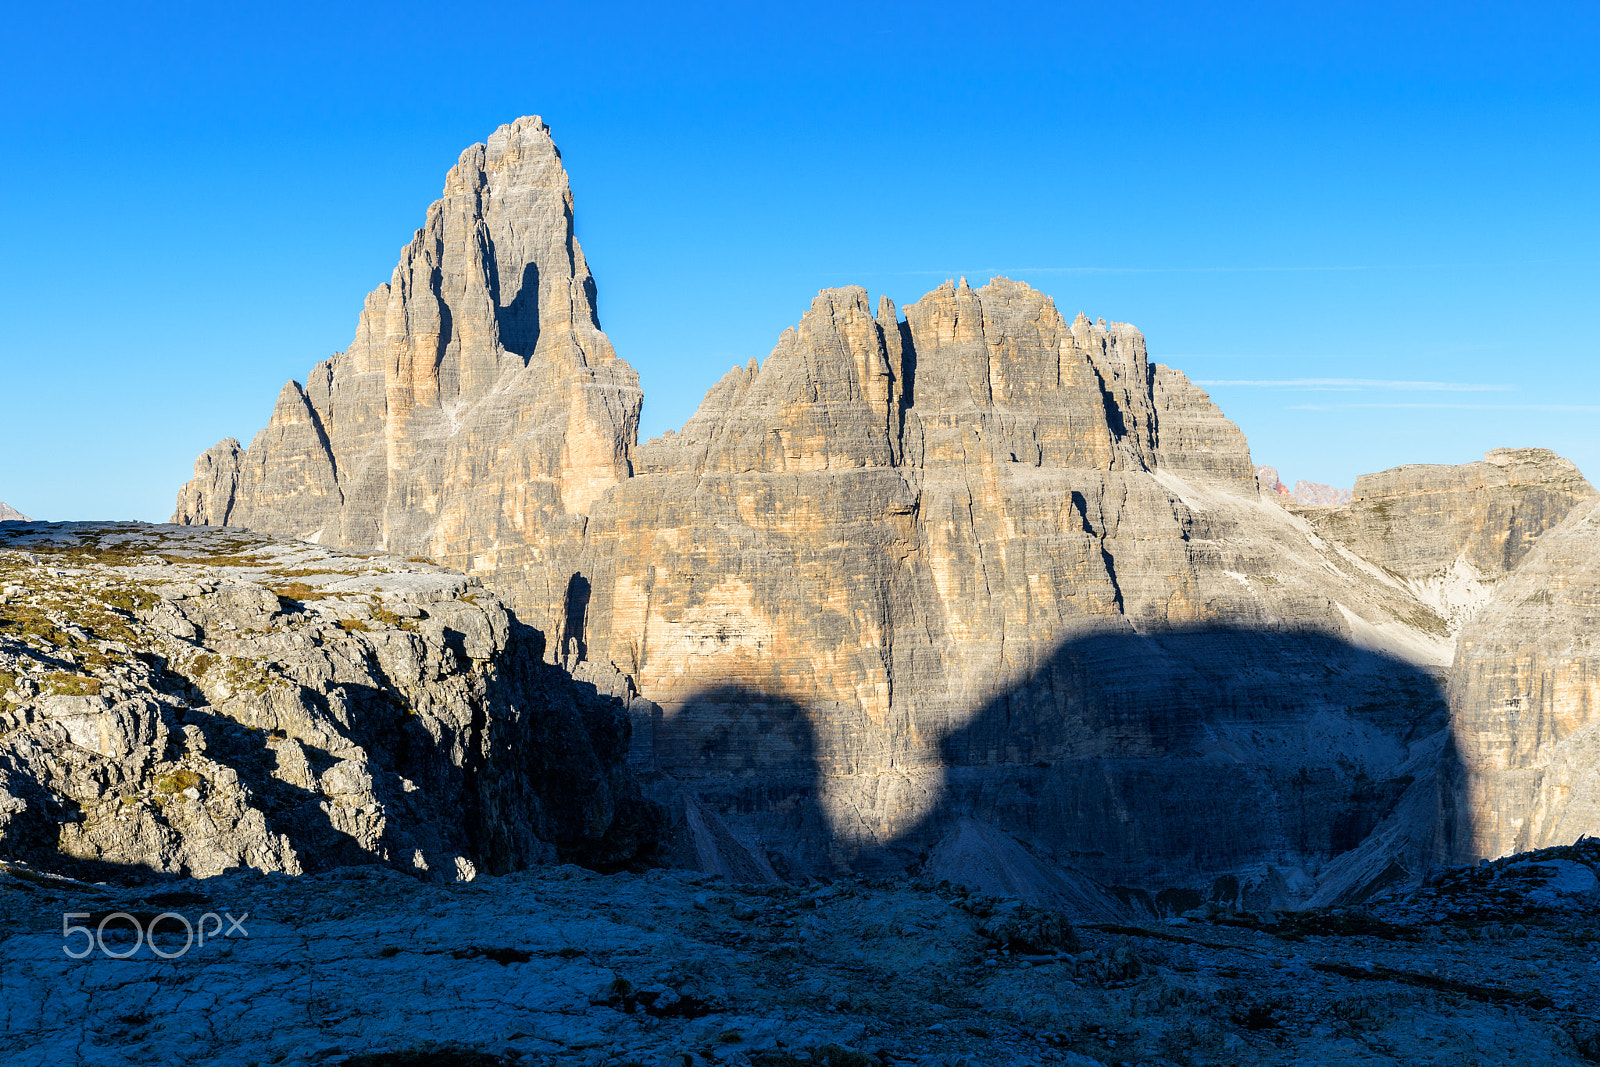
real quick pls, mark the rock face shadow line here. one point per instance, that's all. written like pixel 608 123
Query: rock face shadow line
pixel 1263 767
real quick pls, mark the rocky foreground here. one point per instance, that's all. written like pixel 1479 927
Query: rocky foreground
pixel 560 965
pixel 186 701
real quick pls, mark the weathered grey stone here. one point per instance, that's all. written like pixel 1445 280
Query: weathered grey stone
pixel 982 562
pixel 11 514
pixel 1525 700
pixel 1451 532
pixel 268 704
pixel 478 412
pixel 558 966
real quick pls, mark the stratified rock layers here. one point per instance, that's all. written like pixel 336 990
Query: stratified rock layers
pixel 478 412
pixel 913 584
pixel 1525 697
pixel 986 563
pixel 1418 519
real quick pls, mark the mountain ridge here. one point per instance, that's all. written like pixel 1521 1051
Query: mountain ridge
pixel 900 531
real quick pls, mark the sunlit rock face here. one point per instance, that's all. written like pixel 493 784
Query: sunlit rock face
pixel 1450 533
pixel 1525 696
pixel 982 562
pixel 478 412
pixel 974 588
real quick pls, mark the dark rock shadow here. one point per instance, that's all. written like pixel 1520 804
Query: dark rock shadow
pixel 551 778
pixel 1132 772
pixel 1233 762
pixel 575 613
pixel 738 777
pixel 519 320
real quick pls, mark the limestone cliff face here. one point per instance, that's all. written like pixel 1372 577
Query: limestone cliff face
pixel 479 409
pixel 985 563
pixel 1525 700
pixel 972 586
pixel 1451 532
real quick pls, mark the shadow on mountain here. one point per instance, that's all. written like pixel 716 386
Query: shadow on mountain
pixel 1260 768
pixel 739 782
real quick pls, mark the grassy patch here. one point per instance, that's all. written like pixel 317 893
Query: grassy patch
pixel 130 600
pixel 353 626
pixel 176 782
pixel 71 685
pixel 247 675
pixel 387 617
pixel 24 621
pixel 299 592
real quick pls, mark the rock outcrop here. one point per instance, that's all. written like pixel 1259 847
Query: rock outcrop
pixel 478 412
pixel 11 514
pixel 1451 532
pixel 191 701
pixel 1271 483
pixel 1525 700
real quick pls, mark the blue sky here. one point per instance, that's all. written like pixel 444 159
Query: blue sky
pixel 1372 226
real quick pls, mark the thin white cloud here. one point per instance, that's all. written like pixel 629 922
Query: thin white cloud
pixel 1165 356
pixel 1463 407
pixel 1314 269
pixel 1351 385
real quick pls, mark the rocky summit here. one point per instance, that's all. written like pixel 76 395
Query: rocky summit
pixel 11 514
pixel 479 410
pixel 982 590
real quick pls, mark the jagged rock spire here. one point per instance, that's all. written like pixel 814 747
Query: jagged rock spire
pixel 479 404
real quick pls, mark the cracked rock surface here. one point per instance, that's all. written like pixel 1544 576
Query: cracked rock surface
pixel 187 701
pixel 1483 966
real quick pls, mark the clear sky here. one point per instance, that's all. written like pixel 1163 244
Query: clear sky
pixel 1373 227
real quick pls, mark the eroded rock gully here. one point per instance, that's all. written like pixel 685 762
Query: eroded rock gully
pixel 968 587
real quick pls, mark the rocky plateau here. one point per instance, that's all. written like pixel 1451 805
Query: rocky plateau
pixel 177 700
